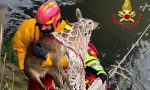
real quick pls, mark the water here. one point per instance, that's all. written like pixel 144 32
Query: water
pixel 111 41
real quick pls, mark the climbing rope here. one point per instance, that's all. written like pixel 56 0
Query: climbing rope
pixel 115 70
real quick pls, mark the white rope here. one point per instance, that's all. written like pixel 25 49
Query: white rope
pixel 115 70
pixel 97 85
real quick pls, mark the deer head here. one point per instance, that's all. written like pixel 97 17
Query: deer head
pixel 90 24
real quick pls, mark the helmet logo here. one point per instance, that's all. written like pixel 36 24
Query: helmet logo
pixel 48 6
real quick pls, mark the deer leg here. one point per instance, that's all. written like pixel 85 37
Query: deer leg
pixel 56 76
pixel 36 76
pixel 64 75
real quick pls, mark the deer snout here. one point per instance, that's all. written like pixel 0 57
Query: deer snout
pixel 97 25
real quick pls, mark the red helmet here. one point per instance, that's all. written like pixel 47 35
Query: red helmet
pixel 48 13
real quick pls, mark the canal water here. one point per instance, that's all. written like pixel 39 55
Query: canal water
pixel 112 40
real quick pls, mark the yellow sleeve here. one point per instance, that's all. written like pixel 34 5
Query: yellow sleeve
pixel 21 57
pixel 22 39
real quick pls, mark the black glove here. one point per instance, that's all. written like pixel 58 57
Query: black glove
pixel 104 77
pixel 39 50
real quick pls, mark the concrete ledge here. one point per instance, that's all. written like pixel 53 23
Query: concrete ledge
pixel 2 13
pixel 2 16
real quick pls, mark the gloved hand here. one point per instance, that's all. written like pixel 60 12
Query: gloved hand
pixel 39 50
pixel 104 77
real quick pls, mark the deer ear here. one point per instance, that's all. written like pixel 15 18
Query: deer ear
pixel 78 14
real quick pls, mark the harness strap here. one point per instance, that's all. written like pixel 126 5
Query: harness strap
pixel 34 35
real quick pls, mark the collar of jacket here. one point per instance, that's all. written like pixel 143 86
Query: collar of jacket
pixel 62 25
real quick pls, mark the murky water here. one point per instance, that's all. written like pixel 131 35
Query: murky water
pixel 112 42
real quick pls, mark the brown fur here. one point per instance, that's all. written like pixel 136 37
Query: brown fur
pixel 35 71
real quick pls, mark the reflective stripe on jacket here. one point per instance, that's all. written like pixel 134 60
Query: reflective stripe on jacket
pixel 95 64
pixel 92 60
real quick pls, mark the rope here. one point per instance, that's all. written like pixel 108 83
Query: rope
pixel 115 70
pixel 76 41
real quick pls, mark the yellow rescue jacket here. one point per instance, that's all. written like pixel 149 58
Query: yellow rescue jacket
pixel 28 33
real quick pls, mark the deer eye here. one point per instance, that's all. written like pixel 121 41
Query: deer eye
pixel 90 22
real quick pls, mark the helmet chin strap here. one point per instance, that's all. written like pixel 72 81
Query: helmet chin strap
pixel 58 21
pixel 60 25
